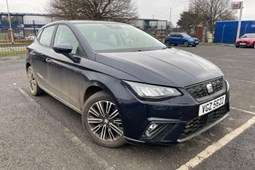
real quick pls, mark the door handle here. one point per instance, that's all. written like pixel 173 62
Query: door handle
pixel 48 60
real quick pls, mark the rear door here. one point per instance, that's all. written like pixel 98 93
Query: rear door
pixel 41 50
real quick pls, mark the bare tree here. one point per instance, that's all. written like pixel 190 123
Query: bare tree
pixel 210 11
pixel 114 10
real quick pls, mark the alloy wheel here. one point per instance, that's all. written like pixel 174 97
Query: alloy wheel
pixel 31 80
pixel 104 121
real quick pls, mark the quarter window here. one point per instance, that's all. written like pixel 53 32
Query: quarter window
pixel 65 36
pixel 46 36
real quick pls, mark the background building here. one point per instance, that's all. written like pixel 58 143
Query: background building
pixel 23 24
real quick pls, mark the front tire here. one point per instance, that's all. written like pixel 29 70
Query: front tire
pixel 33 84
pixel 168 44
pixel 102 120
pixel 186 44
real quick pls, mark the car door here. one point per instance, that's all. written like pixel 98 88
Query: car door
pixel 179 38
pixel 40 52
pixel 64 72
pixel 172 38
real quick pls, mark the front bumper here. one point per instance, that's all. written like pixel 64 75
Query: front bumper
pixel 169 121
pixel 244 44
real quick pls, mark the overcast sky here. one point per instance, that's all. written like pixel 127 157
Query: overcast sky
pixel 158 9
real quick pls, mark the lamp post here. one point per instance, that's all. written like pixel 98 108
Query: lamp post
pixel 10 25
pixel 238 5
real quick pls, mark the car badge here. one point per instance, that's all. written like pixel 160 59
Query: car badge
pixel 209 88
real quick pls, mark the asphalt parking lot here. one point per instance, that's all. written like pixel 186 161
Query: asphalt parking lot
pixel 42 133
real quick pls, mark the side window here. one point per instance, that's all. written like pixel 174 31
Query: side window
pixel 46 36
pixel 65 36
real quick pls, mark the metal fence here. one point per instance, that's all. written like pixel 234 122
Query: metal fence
pixel 15 46
pixel 23 35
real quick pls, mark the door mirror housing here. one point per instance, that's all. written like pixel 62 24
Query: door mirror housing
pixel 63 49
pixel 66 50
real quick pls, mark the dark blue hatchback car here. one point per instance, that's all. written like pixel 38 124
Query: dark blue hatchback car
pixel 128 86
pixel 181 39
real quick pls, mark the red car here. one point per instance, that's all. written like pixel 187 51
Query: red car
pixel 247 40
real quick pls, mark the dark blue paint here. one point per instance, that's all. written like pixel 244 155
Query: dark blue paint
pixel 165 67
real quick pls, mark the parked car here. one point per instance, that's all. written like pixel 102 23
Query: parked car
pixel 136 91
pixel 30 37
pixel 181 39
pixel 18 37
pixel 247 40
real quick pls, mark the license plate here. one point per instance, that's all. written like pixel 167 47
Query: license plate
pixel 211 105
pixel 242 43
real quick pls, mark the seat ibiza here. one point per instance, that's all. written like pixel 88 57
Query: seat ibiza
pixel 128 86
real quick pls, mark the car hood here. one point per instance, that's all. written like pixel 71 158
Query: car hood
pixel 170 67
pixel 247 39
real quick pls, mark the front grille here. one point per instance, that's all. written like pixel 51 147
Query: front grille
pixel 200 122
pixel 199 90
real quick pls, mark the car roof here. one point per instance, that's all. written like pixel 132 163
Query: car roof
pixel 83 22
pixel 71 22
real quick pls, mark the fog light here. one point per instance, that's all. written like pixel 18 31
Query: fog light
pixel 150 129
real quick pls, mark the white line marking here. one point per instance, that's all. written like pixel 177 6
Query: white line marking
pixel 241 110
pixel 246 81
pixel 210 150
pixel 252 106
pixel 244 68
pixel 28 97
pixel 71 136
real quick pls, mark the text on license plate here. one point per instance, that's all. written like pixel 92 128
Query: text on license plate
pixel 211 105
pixel 242 43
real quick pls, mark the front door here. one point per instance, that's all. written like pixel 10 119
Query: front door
pixel 63 72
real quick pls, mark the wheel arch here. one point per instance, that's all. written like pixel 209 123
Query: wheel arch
pixel 94 87
pixel 27 65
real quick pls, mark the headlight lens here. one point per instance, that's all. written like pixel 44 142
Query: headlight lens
pixel 151 91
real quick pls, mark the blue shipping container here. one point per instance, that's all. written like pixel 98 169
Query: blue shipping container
pixel 225 31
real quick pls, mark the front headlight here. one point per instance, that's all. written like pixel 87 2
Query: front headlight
pixel 153 92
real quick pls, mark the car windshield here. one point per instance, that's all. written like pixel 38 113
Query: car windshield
pixel 185 35
pixel 118 37
pixel 248 36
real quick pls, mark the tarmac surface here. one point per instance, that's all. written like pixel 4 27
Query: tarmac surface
pixel 42 133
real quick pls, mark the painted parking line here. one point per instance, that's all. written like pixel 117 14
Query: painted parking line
pixel 241 110
pixel 252 106
pixel 210 150
pixel 72 137
pixel 245 81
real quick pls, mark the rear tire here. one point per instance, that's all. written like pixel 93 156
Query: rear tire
pixel 237 46
pixel 33 84
pixel 101 118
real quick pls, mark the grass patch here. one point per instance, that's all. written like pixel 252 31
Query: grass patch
pixel 10 53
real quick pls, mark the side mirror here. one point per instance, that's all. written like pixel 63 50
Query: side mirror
pixel 63 49
pixel 66 51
